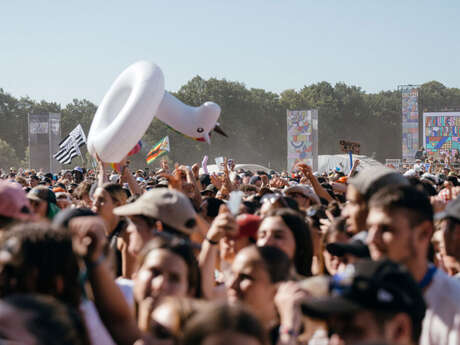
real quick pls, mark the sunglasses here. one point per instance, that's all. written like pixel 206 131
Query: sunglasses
pixel 34 203
pixel 273 198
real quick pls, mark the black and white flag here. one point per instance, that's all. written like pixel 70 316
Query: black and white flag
pixel 70 146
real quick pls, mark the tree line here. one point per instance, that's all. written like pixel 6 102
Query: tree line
pixel 254 119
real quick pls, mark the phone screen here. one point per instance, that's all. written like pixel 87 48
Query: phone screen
pixel 234 202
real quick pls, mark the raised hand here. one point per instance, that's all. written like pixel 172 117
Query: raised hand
pixel 174 181
pixel 88 237
pixel 196 170
pixel 223 225
pixel 305 169
pixel 215 180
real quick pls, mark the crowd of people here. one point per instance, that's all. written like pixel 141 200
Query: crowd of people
pixel 182 256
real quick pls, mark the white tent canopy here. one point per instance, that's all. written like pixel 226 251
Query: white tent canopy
pixel 342 161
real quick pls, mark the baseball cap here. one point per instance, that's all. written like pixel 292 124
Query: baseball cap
pixel 354 247
pixel 78 169
pixel 209 188
pixel 248 224
pixel 304 190
pixel 370 180
pixel 452 210
pixel 64 217
pixel 373 285
pixel 166 205
pixel 205 179
pixel 410 172
pixel 41 193
pixel 13 201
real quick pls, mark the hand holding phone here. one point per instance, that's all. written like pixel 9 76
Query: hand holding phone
pixel 234 202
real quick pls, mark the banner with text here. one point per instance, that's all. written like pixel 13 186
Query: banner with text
pixel 441 133
pixel 302 138
pixel 409 121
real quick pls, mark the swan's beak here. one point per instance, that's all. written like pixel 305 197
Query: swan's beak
pixel 219 130
pixel 207 138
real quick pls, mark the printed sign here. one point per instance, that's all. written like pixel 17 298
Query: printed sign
pixel 302 137
pixel 441 133
pixel 409 121
pixel 347 146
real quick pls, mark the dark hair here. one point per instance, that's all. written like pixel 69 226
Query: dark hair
pixel 427 187
pixel 409 198
pixel 213 206
pixel 303 255
pixel 220 318
pixel 381 317
pixel 315 213
pixel 334 208
pixel 168 231
pixel 338 226
pixel 50 321
pixel 6 222
pixel 183 249
pixel 453 179
pixel 251 206
pixel 248 188
pixel 276 263
pixel 39 255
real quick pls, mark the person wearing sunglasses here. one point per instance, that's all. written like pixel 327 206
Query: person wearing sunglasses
pixel 273 201
pixel 43 202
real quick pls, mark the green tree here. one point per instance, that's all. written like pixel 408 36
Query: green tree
pixel 8 157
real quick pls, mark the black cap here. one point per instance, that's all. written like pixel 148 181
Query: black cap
pixel 205 179
pixel 64 217
pixel 452 210
pixel 372 285
pixel 354 247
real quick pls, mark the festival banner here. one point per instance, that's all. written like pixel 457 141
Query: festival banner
pixel 441 133
pixel 302 138
pixel 44 137
pixel 410 142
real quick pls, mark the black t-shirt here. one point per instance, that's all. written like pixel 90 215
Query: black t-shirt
pixel 112 238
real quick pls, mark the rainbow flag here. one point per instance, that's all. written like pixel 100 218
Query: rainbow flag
pixel 136 149
pixel 159 149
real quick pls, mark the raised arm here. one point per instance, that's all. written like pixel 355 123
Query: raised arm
pixel 89 236
pixel 223 225
pixel 319 190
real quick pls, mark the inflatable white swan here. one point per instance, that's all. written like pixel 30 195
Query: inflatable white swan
pixel 130 105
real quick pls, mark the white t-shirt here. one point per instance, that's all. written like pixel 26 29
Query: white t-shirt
pixel 97 333
pixel 126 287
pixel 441 325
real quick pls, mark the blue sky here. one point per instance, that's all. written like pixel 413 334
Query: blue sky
pixel 60 50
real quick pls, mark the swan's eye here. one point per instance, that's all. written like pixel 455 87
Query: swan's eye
pixel 200 130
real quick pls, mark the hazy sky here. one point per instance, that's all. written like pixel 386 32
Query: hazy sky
pixel 60 50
